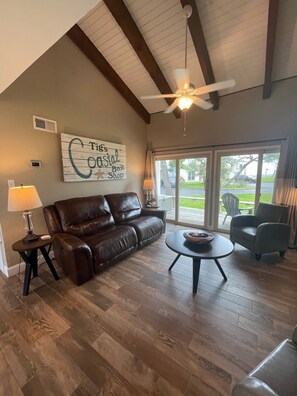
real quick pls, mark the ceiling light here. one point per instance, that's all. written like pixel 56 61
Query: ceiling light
pixel 184 103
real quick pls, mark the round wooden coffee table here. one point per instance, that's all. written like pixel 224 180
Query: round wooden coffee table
pixel 218 248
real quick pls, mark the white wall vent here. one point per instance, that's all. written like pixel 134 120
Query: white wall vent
pixel 43 124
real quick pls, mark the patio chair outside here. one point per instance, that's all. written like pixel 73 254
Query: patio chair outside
pixel 231 205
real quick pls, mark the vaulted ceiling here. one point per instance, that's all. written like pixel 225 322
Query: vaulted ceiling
pixel 137 44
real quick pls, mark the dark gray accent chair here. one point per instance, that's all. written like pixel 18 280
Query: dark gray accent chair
pixel 264 232
pixel 276 375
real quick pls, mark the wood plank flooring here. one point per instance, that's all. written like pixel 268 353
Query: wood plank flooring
pixel 136 329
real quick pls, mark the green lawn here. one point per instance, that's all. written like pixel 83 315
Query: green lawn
pixel 192 184
pixel 195 184
pixel 200 204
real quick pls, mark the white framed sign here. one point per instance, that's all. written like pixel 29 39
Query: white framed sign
pixel 86 159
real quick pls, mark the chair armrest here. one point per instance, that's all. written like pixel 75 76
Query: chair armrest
pixel 252 386
pixel 74 256
pixel 275 233
pixel 272 237
pixel 243 220
pixel 294 336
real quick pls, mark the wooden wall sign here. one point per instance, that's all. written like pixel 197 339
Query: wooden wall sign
pixel 86 159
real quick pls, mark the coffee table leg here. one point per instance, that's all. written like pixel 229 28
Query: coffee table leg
pixel 220 268
pixel 175 260
pixel 196 271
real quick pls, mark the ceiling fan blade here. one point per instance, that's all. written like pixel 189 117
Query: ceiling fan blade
pixel 214 87
pixel 172 107
pixel 202 103
pixel 182 78
pixel 159 96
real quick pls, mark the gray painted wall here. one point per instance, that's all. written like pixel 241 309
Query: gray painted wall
pixel 64 86
pixel 242 117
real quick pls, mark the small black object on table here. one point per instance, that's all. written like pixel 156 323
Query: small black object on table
pixel 28 252
pixel 219 247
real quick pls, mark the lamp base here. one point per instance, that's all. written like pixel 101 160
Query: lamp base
pixel 30 238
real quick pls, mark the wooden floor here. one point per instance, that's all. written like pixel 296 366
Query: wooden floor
pixel 137 329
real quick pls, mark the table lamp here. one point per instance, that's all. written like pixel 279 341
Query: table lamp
pixel 24 198
pixel 148 186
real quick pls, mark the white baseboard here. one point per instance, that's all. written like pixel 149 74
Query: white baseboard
pixel 16 269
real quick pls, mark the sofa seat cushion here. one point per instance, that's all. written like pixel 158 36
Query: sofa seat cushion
pixel 248 233
pixel 279 369
pixel 111 244
pixel 148 228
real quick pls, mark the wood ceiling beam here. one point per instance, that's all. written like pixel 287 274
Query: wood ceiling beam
pixel 91 52
pixel 199 42
pixel 270 46
pixel 124 19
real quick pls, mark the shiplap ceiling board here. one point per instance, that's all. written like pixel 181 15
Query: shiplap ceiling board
pixel 235 32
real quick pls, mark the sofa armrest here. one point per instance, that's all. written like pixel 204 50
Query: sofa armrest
pixel 252 386
pixel 154 212
pixel 243 221
pixel 74 256
pixel 161 214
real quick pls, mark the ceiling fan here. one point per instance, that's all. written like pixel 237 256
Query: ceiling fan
pixel 186 93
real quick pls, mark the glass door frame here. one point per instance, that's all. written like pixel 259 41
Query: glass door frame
pixel 191 155
pixel 260 151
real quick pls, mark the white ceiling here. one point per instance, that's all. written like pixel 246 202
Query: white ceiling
pixel 235 33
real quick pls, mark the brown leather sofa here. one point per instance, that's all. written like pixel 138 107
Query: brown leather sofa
pixel 94 232
pixel 275 375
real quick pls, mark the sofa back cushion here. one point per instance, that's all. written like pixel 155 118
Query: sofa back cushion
pixel 270 213
pixel 84 216
pixel 124 206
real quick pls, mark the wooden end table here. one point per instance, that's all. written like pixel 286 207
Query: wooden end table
pixel 28 252
pixel 218 248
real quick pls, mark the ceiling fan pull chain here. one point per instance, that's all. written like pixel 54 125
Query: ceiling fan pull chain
pixel 185 123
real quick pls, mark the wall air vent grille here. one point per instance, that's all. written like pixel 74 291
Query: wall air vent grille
pixel 43 124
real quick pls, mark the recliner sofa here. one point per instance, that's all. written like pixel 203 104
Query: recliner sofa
pixel 276 375
pixel 91 233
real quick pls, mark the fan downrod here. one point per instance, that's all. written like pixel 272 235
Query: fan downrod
pixel 187 11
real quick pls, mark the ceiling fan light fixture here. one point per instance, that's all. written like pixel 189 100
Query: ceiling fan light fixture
pixel 185 102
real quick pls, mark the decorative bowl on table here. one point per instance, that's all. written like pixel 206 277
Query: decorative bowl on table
pixel 200 238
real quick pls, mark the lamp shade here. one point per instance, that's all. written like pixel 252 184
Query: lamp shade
pixel 148 184
pixel 23 198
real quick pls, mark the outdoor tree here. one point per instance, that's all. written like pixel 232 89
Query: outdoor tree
pixel 165 177
pixel 196 166
pixel 271 158
pixel 230 163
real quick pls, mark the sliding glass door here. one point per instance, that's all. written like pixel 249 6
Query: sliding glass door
pixel 166 186
pixel 193 183
pixel 245 179
pixel 207 189
pixel 183 189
